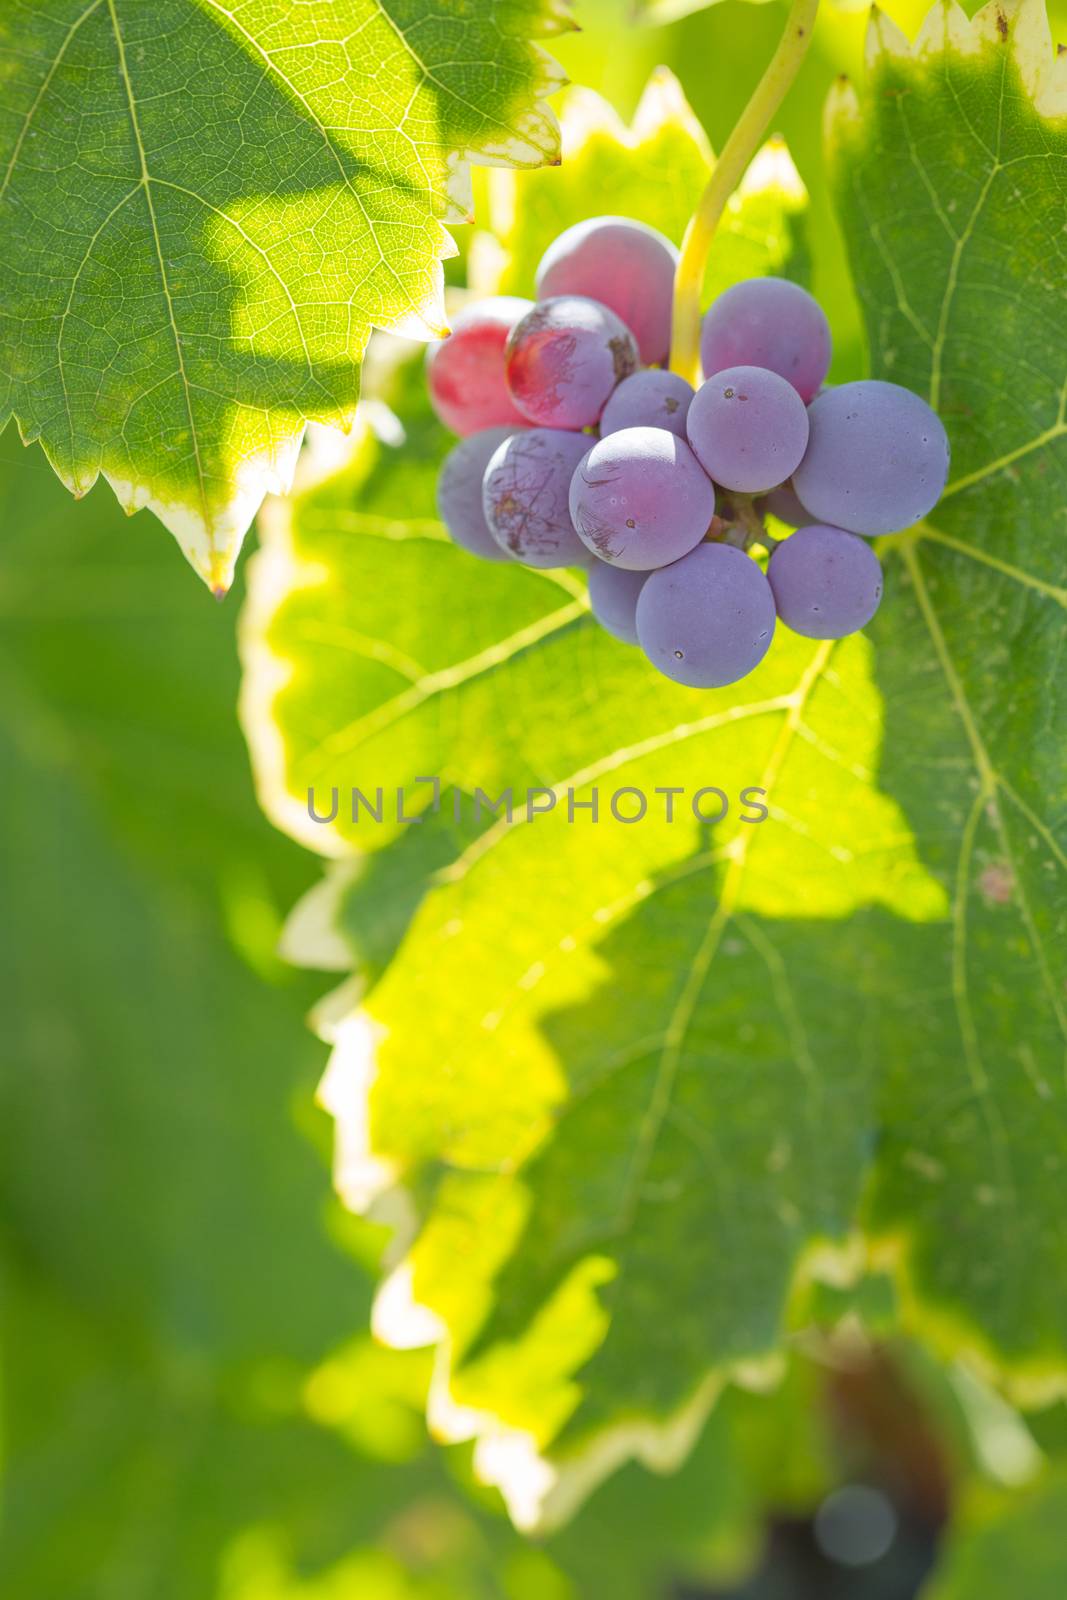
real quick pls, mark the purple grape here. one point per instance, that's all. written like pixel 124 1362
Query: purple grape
pixel 768 322
pixel 749 428
pixel 625 265
pixel 827 583
pixel 783 504
pixel 877 458
pixel 649 399
pixel 564 359
pixel 708 619
pixel 640 499
pixel 613 593
pixel 465 372
pixel 524 497
pixel 459 493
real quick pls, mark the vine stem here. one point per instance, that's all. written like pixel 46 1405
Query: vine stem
pixel 748 518
pixel 730 168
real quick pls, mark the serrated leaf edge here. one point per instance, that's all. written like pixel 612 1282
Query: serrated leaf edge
pixel 278 574
pixel 1020 26
pixel 211 540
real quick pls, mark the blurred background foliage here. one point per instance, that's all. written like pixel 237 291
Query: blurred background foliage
pixel 191 1408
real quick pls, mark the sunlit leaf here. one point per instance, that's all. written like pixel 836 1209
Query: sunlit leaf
pixel 949 174
pixel 204 211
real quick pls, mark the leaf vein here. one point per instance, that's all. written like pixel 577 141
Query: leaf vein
pixel 145 184
pixel 43 90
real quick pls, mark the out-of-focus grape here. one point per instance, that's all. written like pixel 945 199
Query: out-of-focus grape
pixel 613 593
pixel 627 266
pixel 768 322
pixel 465 372
pixel 459 493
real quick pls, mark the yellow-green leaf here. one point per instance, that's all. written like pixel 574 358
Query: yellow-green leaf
pixel 205 210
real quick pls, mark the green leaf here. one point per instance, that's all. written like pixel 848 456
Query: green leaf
pixel 949 175
pixel 167 1284
pixel 203 213
pixel 642 1082
pixel 1005 1545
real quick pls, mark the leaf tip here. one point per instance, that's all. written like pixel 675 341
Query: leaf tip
pixel 1023 26
pixel 773 168
pixel 842 107
pixel 663 105
pixel 946 26
pixel 217 572
pixel 559 17
pixel 884 38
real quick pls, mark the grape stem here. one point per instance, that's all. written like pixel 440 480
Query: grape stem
pixel 730 168
pixel 740 524
pixel 749 520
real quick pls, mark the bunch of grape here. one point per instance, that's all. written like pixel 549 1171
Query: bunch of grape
pixel 580 448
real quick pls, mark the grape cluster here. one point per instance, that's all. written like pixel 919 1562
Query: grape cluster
pixel 580 448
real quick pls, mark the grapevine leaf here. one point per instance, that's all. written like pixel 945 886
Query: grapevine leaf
pixel 204 211
pixel 1016 1543
pixel 949 178
pixel 641 1080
